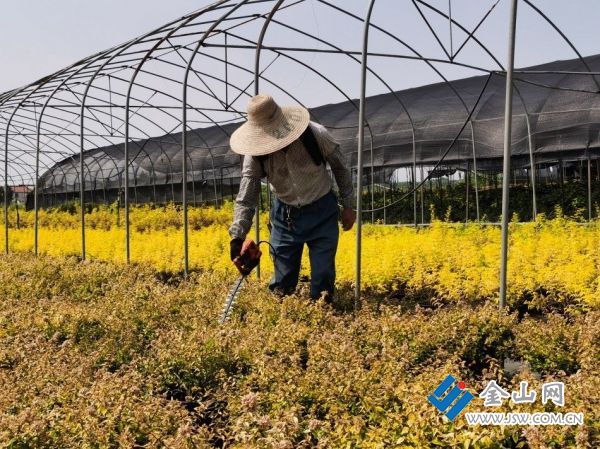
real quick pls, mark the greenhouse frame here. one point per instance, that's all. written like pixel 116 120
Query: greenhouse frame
pixel 141 120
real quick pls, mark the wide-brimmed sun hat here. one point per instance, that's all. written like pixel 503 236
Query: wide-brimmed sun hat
pixel 269 128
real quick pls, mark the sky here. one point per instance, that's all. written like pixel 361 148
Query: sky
pixel 41 36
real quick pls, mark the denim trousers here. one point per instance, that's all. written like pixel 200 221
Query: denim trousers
pixel 315 225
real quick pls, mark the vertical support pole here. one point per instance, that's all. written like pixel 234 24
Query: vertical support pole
pixel 361 144
pixel 226 72
pixel 422 199
pixel 82 180
pixel 561 180
pixel 372 189
pixel 507 151
pixel 467 179
pixel 186 256
pixel 172 183
pixel 221 184
pixel 532 163
pixel 259 44
pixel 184 143
pixel 6 195
pixel 193 188
pixel 440 185
pixel 589 186
pixel 475 180
pixel 414 178
pixel 36 189
pixel 384 198
pixel 431 195
pixel 214 176
pixel 126 189
pixel 6 140
pixel 153 184
pixel 450 28
pixel 369 190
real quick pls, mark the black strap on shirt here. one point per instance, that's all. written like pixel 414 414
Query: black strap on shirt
pixel 309 141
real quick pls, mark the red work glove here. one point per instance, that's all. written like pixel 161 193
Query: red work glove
pixel 249 257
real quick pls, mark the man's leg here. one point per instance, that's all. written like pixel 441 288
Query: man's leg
pixel 287 257
pixel 322 248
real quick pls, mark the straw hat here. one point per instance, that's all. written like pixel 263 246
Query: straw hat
pixel 269 127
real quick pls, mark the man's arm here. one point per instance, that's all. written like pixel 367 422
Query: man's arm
pixel 343 178
pixel 247 198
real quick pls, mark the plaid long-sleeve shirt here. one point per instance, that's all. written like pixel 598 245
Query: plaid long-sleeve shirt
pixel 294 178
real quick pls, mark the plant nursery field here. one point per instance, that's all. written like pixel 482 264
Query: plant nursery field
pixel 98 354
pixel 551 261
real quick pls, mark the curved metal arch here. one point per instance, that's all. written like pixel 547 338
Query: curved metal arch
pixel 19 174
pixel 565 38
pixel 335 86
pixel 418 55
pixel 184 143
pixel 361 143
pixel 531 149
pixel 6 175
pixel 125 47
pixel 6 138
pixel 122 48
pixel 32 146
pixel 57 136
pixel 37 166
pixel 110 143
pixel 194 132
pixel 459 25
pixel 394 94
pixel 19 158
pixel 259 44
pixel 217 124
pixel 311 69
pixel 167 132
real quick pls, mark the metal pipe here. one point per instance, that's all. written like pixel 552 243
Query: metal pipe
pixel 361 144
pixel 422 197
pixel 532 163
pixel 6 137
pixel 6 179
pixel 507 151
pixel 589 186
pixel 89 83
pixel 384 198
pixel 450 29
pixel 38 147
pixel 475 180
pixel 259 46
pixel 184 142
pixel 372 183
pixel 467 176
pixel 414 178
pixel 145 58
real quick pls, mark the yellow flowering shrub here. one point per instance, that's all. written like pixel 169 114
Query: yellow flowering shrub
pixel 551 262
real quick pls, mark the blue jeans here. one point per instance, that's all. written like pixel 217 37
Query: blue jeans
pixel 316 225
